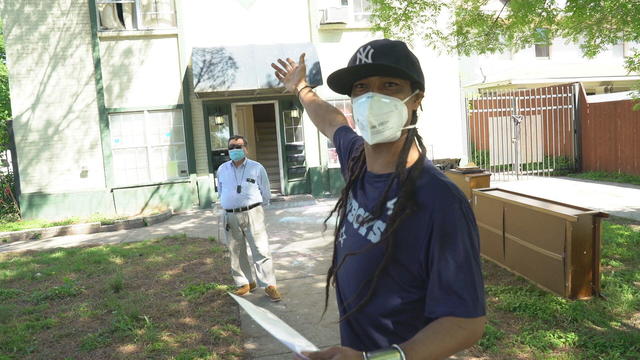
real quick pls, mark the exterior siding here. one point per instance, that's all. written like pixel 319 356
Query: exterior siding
pixel 53 95
pixel 141 71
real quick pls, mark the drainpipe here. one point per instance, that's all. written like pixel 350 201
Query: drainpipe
pixel 310 18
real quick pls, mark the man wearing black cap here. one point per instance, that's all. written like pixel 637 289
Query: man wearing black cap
pixel 406 262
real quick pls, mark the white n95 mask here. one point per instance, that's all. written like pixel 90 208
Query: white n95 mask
pixel 380 118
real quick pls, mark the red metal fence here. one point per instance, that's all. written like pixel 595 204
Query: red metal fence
pixel 515 133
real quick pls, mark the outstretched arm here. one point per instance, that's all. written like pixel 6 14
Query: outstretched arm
pixel 323 115
pixel 439 340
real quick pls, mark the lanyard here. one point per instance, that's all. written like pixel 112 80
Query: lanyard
pixel 238 186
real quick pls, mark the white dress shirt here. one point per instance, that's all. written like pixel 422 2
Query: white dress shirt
pixel 252 179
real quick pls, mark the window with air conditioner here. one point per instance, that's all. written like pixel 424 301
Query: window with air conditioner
pixel 347 11
pixel 115 15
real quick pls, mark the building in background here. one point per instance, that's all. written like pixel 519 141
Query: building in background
pixel 124 106
pixel 545 65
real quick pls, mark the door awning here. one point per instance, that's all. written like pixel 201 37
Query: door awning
pixel 246 70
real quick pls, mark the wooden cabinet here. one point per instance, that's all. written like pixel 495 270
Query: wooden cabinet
pixel 468 182
pixel 554 245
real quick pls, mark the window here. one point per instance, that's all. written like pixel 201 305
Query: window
pixel 136 14
pixel 219 133
pixel 542 43
pixel 293 132
pixel 148 147
pixel 542 51
pixel 343 105
pixel 629 48
pixel 294 145
pixel 361 10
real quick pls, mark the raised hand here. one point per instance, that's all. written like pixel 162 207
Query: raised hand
pixel 291 74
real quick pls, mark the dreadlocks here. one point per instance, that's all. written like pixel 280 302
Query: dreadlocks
pixel 406 179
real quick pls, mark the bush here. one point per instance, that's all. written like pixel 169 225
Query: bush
pixel 9 210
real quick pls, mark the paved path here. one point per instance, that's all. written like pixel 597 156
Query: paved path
pixel 615 199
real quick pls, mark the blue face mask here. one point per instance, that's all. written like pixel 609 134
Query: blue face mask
pixel 236 154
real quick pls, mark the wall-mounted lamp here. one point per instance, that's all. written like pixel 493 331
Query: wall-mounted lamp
pixel 218 117
pixel 295 113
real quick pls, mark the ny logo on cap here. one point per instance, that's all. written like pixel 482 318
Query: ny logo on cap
pixel 363 56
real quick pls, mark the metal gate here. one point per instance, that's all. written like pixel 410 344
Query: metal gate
pixel 515 134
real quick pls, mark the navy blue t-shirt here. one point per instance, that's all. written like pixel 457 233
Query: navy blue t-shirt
pixel 435 268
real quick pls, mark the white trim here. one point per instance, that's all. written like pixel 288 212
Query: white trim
pixel 627 95
pixel 280 160
pixel 279 142
pixel 551 80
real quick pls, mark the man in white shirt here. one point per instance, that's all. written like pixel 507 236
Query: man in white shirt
pixel 243 186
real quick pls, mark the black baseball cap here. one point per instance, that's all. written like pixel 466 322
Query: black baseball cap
pixel 378 58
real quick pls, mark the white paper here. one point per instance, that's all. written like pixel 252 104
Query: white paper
pixel 276 327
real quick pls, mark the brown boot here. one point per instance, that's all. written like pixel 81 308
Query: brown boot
pixel 244 289
pixel 273 293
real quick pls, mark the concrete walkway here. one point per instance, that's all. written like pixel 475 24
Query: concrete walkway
pixel 301 252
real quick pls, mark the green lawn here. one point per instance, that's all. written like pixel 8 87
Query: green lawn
pixel 611 177
pixel 158 299
pixel 39 223
pixel 528 323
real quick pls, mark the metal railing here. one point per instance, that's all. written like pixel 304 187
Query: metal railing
pixel 516 134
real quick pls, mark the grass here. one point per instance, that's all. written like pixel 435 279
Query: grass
pixel 528 323
pixel 39 223
pixel 158 299
pixel 165 299
pixel 611 177
pixel 6 226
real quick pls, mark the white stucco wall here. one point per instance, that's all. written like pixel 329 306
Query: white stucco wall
pixel 53 95
pixel 441 121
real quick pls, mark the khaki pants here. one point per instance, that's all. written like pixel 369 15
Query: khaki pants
pixel 248 228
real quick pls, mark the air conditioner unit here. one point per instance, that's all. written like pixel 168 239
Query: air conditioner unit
pixel 335 15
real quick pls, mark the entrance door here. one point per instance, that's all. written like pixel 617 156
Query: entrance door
pixel 264 116
pixel 243 121
pixel 257 123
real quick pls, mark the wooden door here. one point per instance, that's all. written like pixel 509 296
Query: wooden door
pixel 243 121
